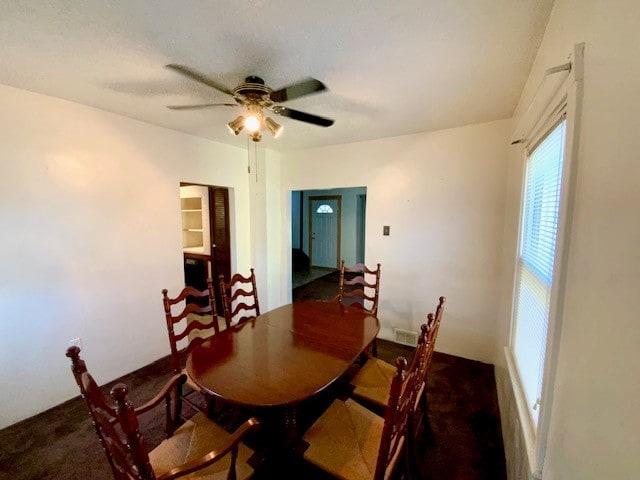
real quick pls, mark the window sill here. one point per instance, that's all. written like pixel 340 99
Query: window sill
pixel 528 430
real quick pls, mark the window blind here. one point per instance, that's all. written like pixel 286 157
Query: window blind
pixel 536 258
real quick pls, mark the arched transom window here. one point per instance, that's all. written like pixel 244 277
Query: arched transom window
pixel 324 208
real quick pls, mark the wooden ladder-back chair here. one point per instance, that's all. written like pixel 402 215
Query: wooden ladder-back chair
pixel 230 292
pixel 420 416
pixel 200 320
pixel 372 383
pixel 434 322
pixel 198 448
pixel 359 286
pixel 350 442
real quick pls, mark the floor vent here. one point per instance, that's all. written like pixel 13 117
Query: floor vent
pixel 405 337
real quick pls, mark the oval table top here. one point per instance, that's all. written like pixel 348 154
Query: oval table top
pixel 283 356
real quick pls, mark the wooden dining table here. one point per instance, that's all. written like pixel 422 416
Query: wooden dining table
pixel 284 356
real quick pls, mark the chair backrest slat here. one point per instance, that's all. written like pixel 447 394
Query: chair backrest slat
pixel 359 284
pixel 189 291
pixel 233 294
pixel 200 319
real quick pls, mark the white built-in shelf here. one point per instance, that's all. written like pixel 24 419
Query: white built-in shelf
pixel 194 208
pixel 199 250
pixel 191 203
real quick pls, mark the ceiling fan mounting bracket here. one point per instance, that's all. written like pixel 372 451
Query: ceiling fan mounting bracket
pixel 253 92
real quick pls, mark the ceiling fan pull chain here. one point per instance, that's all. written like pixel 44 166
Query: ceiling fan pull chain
pixel 255 158
pixel 248 158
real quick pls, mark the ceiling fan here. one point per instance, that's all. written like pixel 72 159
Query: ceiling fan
pixel 258 97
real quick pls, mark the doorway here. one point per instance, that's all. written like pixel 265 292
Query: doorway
pixel 312 263
pixel 324 231
pixel 206 243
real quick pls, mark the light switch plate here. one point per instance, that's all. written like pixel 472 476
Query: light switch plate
pixel 386 229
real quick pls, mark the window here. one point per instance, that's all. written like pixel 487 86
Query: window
pixel 324 208
pixel 535 263
pixel 549 131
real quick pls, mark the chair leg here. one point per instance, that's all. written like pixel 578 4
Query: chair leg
pixel 369 352
pixel 176 415
pixel 426 423
pixel 411 465
pixel 211 406
pixel 219 410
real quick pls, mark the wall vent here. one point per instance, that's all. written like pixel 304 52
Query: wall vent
pixel 405 337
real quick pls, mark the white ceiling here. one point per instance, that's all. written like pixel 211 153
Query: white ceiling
pixel 392 67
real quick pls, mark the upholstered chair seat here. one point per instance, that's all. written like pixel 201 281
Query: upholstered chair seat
pixel 194 439
pixel 345 441
pixel 351 442
pixel 373 382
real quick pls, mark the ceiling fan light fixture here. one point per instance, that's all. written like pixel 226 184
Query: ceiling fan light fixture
pixel 274 127
pixel 256 136
pixel 252 123
pixel 257 97
pixel 235 126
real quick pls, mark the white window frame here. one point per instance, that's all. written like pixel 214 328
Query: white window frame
pixel 565 101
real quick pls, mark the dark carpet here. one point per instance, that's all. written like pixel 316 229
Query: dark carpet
pixel 323 288
pixel 463 412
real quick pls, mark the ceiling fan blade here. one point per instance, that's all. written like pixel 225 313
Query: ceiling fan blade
pixel 300 89
pixel 198 77
pixel 204 105
pixel 302 116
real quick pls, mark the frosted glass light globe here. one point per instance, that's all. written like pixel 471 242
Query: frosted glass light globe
pixel 252 123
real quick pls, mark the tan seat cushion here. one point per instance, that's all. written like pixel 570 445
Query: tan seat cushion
pixel 373 381
pixel 345 440
pixel 192 440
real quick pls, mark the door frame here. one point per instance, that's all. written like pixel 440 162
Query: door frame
pixel 361 226
pixel 213 248
pixel 310 200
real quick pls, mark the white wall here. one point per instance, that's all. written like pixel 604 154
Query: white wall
pixel 595 419
pixel 91 233
pixel 278 229
pixel 442 193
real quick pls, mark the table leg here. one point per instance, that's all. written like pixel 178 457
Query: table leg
pixel 290 426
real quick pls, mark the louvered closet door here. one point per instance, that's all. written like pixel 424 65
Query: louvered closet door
pixel 221 253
